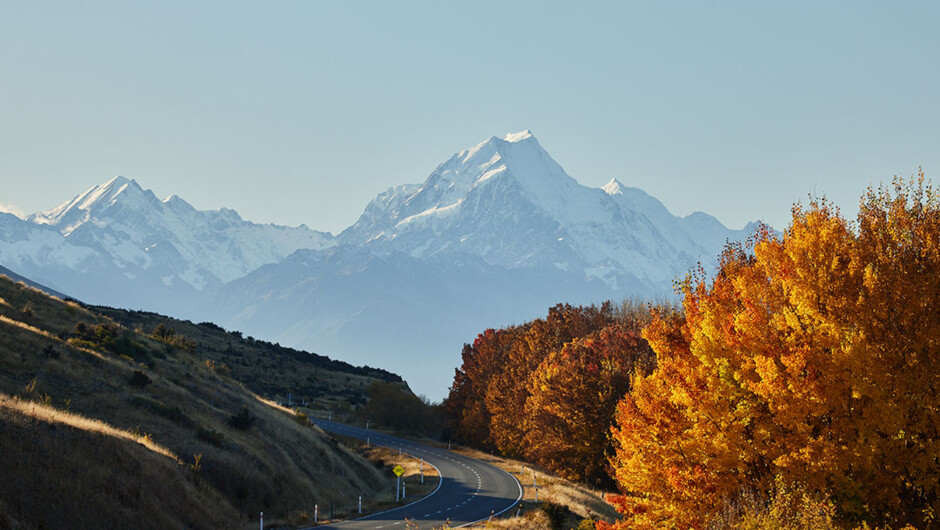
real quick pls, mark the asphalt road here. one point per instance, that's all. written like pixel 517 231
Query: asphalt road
pixel 470 490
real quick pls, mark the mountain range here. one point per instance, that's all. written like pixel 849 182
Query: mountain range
pixel 495 235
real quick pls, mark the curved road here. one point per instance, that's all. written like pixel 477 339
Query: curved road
pixel 469 491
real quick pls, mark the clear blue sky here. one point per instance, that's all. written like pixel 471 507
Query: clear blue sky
pixel 301 112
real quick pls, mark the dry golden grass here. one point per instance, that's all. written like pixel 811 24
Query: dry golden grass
pixel 64 471
pixel 27 327
pixel 532 520
pixel 170 433
pixel 582 501
pixel 49 414
pixel 411 477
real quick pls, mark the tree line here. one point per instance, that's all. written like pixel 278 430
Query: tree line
pixel 802 377
pixel 539 390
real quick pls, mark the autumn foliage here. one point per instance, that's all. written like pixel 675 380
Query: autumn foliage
pixel 810 359
pixel 546 390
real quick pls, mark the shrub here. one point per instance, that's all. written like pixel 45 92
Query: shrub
pixel 50 352
pixel 586 524
pixel 170 337
pixel 210 436
pixel 139 379
pixel 556 513
pixel 243 420
pixel 170 412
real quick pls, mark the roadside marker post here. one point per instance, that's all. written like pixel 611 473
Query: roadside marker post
pixel 398 487
pixel 262 520
pixel 316 512
pixel 360 504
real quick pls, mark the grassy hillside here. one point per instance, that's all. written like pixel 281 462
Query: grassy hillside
pixel 269 370
pixel 105 425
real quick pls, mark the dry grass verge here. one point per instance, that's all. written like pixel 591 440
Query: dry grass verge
pixel 383 460
pixel 578 502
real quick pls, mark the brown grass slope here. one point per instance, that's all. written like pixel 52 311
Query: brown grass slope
pixel 62 474
pixel 218 472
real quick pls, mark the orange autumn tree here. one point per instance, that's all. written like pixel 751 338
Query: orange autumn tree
pixel 812 360
pixel 508 390
pixel 573 391
pixel 465 405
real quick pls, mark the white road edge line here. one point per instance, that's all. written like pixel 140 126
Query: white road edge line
pixel 440 480
pixel 511 506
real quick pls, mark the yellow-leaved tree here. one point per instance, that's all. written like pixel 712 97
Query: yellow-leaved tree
pixel 812 360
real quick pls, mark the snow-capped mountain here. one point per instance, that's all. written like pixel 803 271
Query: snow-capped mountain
pixel 140 249
pixel 495 235
pixel 507 201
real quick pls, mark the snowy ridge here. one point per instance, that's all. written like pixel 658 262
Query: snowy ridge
pixel 125 230
pixel 494 235
pixel 508 201
pixel 199 247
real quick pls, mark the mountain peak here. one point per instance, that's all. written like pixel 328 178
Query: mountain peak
pixel 114 187
pixel 108 193
pixel 518 137
pixel 97 197
pixel 614 187
pixel 118 180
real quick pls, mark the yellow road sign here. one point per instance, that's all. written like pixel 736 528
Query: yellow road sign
pixel 398 470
